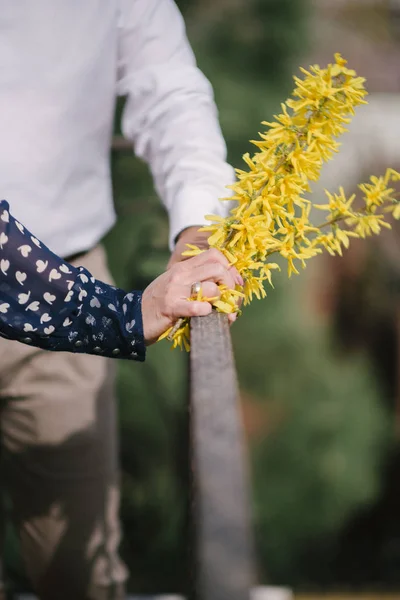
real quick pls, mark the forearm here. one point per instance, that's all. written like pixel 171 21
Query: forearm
pixel 88 328
pixel 171 116
pixel 50 304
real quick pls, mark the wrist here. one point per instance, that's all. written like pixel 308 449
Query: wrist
pixel 140 345
pixel 133 331
pixel 189 232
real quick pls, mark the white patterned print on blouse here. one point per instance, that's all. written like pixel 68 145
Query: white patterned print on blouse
pixel 48 303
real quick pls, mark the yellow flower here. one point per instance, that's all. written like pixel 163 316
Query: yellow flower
pixel 396 211
pixel 365 225
pixel 272 215
pixel 339 205
pixel 376 192
pixel 344 236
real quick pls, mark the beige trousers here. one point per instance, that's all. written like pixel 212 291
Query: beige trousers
pixel 59 447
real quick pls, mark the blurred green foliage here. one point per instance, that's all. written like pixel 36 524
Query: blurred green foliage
pixel 246 48
pixel 320 459
pixel 325 437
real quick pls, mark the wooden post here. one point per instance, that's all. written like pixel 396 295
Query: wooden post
pixel 223 542
pixel 397 401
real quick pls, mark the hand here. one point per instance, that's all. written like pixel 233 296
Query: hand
pixel 191 235
pixel 165 300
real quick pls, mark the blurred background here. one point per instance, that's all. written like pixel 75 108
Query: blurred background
pixel 318 359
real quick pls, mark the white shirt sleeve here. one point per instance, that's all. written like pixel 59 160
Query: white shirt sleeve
pixel 170 114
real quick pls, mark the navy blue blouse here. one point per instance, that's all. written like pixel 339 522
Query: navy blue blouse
pixel 48 303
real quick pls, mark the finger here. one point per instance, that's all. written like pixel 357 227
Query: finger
pixel 186 308
pixel 232 318
pixel 237 276
pixel 209 290
pixel 178 292
pixel 209 256
pixel 212 272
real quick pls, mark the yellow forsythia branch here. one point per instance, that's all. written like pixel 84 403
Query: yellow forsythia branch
pixel 271 215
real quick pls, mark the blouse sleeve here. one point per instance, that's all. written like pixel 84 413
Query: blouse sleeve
pixel 48 303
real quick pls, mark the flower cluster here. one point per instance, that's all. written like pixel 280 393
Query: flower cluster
pixel 272 213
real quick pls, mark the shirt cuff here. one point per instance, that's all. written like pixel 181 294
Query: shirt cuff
pixel 190 208
pixel 133 325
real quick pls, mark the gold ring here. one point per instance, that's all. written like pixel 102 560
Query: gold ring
pixel 195 289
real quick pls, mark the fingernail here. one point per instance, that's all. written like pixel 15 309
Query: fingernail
pixel 240 280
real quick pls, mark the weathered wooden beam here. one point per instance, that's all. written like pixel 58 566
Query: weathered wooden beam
pixel 224 556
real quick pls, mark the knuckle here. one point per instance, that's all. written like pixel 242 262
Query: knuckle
pixel 219 270
pixel 210 289
pixel 217 292
pixel 169 300
pixel 185 264
pixel 176 273
pixel 194 309
pixel 214 290
pixel 214 254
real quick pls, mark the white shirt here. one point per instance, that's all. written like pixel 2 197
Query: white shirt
pixel 62 64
